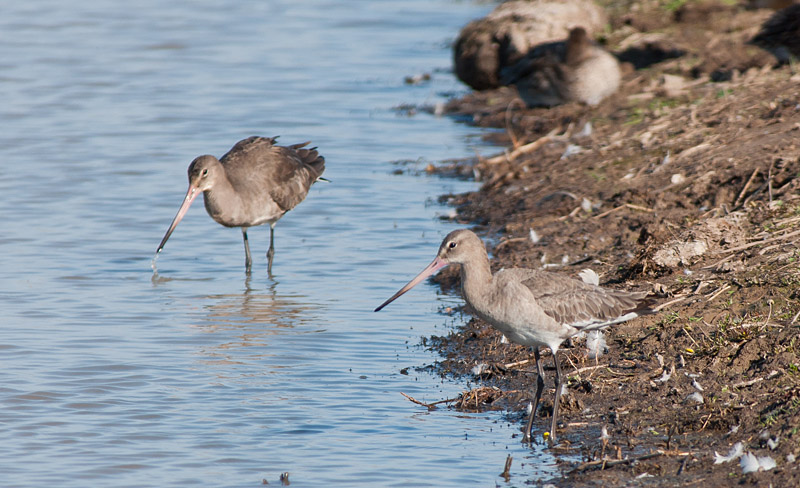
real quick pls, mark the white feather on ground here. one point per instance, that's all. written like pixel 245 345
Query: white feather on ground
pixel 751 463
pixel 736 451
pixel 596 344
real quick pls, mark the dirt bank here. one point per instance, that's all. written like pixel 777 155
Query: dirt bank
pixel 685 182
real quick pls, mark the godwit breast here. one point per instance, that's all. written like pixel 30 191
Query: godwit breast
pixel 254 183
pixel 531 307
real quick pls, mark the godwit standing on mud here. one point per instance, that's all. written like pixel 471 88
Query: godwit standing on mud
pixel 531 307
pixel 254 183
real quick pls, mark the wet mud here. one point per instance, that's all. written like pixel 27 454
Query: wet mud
pixel 685 183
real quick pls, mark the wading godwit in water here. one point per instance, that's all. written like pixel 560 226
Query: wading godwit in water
pixel 254 183
pixel 531 307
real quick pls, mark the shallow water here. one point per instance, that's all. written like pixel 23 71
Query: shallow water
pixel 115 376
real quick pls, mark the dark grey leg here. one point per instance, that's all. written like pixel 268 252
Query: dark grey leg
pixel 248 261
pixel 558 396
pixel 271 251
pixel 538 395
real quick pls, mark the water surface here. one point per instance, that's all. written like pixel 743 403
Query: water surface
pixel 113 376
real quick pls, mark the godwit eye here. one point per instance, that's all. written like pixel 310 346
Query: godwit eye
pixel 205 172
pixel 452 245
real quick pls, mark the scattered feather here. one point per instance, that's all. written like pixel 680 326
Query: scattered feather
pixel 677 179
pixel 479 369
pixel 681 361
pixel 565 259
pixel 504 339
pixel 772 443
pixel 695 397
pixel 666 375
pixel 751 463
pixel 644 475
pixel 586 131
pixel 589 276
pixel 767 463
pixel 534 236
pixel 666 159
pixel 529 408
pixel 736 451
pixel 604 434
pixel 660 359
pixel 596 344
pixel 571 150
pixel 586 204
pixel 790 458
pixel 697 385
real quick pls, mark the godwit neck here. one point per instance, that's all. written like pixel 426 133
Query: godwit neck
pixel 465 248
pixel 220 198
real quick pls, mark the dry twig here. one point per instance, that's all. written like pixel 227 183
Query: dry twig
pixel 759 243
pixel 746 186
pixel 429 406
pixel 627 205
pixel 524 149
pixel 607 463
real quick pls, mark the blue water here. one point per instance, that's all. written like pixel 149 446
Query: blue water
pixel 114 376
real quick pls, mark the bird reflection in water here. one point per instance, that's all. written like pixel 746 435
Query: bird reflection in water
pixel 252 319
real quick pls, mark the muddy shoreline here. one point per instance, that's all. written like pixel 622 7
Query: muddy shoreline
pixel 686 183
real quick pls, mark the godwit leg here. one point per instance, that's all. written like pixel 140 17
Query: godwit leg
pixel 271 251
pixel 248 261
pixel 539 388
pixel 558 396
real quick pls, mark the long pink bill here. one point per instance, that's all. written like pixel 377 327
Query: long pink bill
pixel 191 194
pixel 432 268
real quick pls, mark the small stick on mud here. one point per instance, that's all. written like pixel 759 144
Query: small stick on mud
pixel 590 368
pixel 607 463
pixel 525 149
pixel 752 382
pixel 746 186
pixel 717 293
pixel 769 180
pixel 677 299
pixel 506 474
pixel 759 243
pixel 510 240
pixel 627 205
pixel 517 363
pixel 769 316
pixel 706 422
